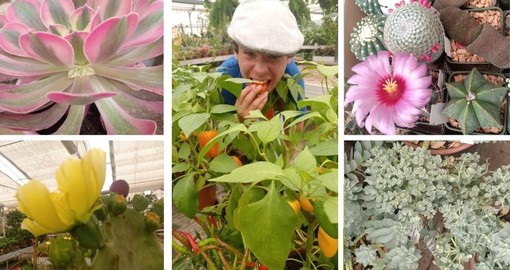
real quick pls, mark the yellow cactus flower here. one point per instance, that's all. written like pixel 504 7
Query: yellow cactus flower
pixel 79 185
pixel 35 201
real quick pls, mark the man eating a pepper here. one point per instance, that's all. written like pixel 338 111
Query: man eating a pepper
pixel 265 36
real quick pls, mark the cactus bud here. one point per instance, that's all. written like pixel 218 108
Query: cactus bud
pixel 89 235
pixel 140 202
pixel 61 252
pixel 120 187
pixel 158 207
pixel 119 204
pixel 151 221
pixel 102 212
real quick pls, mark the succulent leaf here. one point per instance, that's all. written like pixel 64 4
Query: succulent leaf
pixel 475 102
pixel 87 51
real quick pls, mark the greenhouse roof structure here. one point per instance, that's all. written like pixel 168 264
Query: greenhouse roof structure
pixel 140 163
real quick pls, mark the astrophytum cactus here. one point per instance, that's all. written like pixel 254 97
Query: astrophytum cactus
pixel 414 28
pixel 63 56
pixel 475 102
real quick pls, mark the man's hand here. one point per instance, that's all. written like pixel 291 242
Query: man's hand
pixel 250 100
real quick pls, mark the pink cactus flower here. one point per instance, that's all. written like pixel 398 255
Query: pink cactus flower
pixel 387 94
pixel 66 55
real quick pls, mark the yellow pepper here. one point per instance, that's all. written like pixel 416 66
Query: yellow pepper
pixel 327 244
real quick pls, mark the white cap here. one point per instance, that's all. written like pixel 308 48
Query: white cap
pixel 267 26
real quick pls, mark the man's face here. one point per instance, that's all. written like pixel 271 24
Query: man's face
pixel 262 67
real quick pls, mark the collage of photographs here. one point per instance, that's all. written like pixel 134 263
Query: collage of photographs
pixel 268 103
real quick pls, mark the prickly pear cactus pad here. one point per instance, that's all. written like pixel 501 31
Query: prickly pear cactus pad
pixel 369 6
pixel 367 36
pixel 414 28
pixel 475 102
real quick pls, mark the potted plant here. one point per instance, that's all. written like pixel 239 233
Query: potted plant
pixel 490 15
pixel 475 103
pixel 280 200
pixel 408 209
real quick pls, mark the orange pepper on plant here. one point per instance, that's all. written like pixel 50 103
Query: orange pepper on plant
pixel 295 206
pixel 237 160
pixel 305 204
pixel 327 244
pixel 204 137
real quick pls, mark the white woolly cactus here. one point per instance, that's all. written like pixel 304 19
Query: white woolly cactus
pixel 66 55
pixel 414 28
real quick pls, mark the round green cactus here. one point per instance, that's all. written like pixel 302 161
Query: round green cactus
pixel 367 36
pixel 369 6
pixel 475 102
pixel 414 28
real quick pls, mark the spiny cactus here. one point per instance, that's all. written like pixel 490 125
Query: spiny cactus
pixel 367 36
pixel 475 102
pixel 369 6
pixel 413 28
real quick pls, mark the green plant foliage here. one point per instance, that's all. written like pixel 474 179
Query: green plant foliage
pixel 403 202
pixel 475 102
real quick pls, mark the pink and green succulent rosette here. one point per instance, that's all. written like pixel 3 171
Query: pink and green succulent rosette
pixel 64 55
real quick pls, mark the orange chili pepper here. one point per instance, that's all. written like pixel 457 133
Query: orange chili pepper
pixel 204 137
pixel 237 160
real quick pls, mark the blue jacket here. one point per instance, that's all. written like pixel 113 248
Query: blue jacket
pixel 231 67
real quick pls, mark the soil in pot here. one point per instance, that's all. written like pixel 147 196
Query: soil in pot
pixel 440 147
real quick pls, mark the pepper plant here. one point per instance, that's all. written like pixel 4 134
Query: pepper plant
pixel 59 57
pixel 265 165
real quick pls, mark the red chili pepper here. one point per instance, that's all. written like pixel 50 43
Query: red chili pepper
pixel 194 246
pixel 212 221
pixel 270 113
pixel 263 267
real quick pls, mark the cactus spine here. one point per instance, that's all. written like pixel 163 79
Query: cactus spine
pixel 414 28
pixel 367 36
pixel 369 6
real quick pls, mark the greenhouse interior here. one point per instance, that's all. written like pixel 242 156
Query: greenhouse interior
pixel 255 186
pixel 60 199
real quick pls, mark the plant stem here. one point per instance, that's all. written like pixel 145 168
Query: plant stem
pixel 179 248
pixel 230 248
pixel 207 241
pixel 245 259
pixel 309 242
pixel 181 238
pixel 224 261
pixel 202 225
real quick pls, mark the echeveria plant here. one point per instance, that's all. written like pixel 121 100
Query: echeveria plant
pixel 65 55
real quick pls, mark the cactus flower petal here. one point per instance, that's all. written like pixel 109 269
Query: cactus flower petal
pixel 81 181
pixel 42 217
pixel 385 95
pixel 48 48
